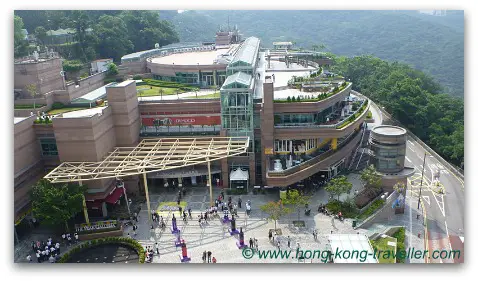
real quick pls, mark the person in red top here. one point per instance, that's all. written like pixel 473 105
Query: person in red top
pixel 213 259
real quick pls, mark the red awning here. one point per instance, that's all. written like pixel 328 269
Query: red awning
pixel 94 204
pixel 114 196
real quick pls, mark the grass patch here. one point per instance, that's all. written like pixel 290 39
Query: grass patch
pixel 209 96
pixel 400 236
pixel 165 207
pixel 149 91
pixel 371 209
pixel 381 244
pixel 65 109
pixel 28 106
pixel 369 115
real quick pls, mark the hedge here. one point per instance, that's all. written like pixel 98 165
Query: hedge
pixel 28 106
pixel 108 240
pixel 168 84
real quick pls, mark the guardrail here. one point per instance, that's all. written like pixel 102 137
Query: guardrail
pixel 458 171
pixel 314 160
pixel 334 126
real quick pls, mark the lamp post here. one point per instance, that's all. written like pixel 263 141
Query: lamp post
pixel 421 182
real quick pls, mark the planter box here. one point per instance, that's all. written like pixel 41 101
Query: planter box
pixel 91 236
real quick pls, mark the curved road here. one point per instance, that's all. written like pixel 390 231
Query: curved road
pixel 444 211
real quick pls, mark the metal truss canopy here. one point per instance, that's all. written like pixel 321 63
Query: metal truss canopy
pixel 151 155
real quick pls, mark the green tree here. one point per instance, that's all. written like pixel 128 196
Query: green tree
pixel 371 179
pixel 145 29
pixel 19 43
pixel 112 70
pixel 41 34
pixel 80 21
pixel 33 91
pixel 55 204
pixel 338 186
pixel 400 187
pixel 297 200
pixel 275 210
pixel 112 37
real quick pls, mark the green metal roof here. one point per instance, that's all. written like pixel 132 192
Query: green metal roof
pixel 93 95
pixel 238 77
pixel 247 52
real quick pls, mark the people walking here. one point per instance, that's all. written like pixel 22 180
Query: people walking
pixel 256 244
pixel 239 203
pixel 189 212
pixel 204 254
pixel 156 247
pixel 288 241
pixel 29 258
pixel 209 254
pixel 270 235
pixel 251 243
pixel 136 217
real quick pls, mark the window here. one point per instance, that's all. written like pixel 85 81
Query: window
pixel 48 147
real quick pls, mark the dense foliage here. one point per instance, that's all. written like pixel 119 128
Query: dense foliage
pixel 434 45
pixel 55 204
pixel 413 98
pixel 99 34
pixel 19 44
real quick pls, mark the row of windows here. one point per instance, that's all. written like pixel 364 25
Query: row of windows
pixel 303 118
pixel 296 145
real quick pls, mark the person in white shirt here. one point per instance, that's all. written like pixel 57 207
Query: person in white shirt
pixel 48 243
pixel 76 237
pixel 57 246
pixel 38 257
pixel 29 258
pixel 47 252
pixel 52 259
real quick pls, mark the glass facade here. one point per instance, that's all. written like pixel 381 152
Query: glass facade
pixel 298 145
pixel 291 119
pixel 48 147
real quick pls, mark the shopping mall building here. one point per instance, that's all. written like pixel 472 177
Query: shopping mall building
pixel 302 121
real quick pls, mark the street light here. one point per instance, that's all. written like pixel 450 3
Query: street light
pixel 421 182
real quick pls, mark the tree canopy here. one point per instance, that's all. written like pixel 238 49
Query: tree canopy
pixel 275 210
pixel 370 177
pixel 103 34
pixel 338 186
pixel 19 43
pixel 413 98
pixel 55 204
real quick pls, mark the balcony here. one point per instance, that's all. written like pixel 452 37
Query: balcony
pixel 319 162
pixel 336 130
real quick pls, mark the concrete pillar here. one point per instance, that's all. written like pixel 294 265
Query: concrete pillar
pixel 104 210
pixel 214 77
pixel 209 181
pixel 147 196
pixel 334 144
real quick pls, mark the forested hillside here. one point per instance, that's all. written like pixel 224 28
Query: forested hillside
pixel 413 98
pixel 96 34
pixel 434 45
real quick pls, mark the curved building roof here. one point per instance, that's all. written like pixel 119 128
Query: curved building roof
pixel 388 130
pixel 247 52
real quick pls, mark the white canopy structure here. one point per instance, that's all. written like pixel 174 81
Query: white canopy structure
pixel 239 175
pixel 151 155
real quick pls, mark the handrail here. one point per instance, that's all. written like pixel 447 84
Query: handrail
pixel 314 160
pixel 325 126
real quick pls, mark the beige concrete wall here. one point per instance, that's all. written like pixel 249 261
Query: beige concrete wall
pixel 123 101
pixel 87 139
pixel 28 167
pixel 85 86
pixel 45 75
pixel 132 68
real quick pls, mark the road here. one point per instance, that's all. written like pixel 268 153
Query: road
pixel 445 215
pixel 444 210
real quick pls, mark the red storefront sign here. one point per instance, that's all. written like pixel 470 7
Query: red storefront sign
pixel 176 121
